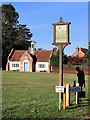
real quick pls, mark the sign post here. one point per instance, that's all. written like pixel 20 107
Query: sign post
pixel 71 90
pixel 67 95
pixel 60 89
pixel 61 39
pixel 77 95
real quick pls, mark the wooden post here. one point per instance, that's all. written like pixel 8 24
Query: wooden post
pixel 64 98
pixel 60 47
pixel 67 95
pixel 77 95
pixel 61 43
pixel 59 99
pixel 61 64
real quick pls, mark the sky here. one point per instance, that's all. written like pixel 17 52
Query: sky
pixel 39 16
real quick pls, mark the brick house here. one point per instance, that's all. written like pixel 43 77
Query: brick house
pixel 80 52
pixel 29 60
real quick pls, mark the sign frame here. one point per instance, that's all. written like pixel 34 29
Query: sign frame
pixel 67 32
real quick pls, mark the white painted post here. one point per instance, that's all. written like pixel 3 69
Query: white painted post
pixel 77 95
pixel 67 95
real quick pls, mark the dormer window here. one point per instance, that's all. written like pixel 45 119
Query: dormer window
pixel 26 56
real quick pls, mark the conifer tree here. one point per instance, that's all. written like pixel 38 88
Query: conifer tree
pixel 14 35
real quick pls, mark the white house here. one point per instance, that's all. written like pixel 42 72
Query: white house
pixel 29 60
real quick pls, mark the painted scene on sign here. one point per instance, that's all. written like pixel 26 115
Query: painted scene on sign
pixel 61 33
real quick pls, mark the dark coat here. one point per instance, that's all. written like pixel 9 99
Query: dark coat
pixel 81 77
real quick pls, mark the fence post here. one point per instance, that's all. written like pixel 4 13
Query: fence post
pixel 64 98
pixel 59 99
pixel 67 95
pixel 77 95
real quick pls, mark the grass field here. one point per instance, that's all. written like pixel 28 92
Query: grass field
pixel 32 95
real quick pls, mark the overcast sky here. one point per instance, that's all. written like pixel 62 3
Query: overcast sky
pixel 39 17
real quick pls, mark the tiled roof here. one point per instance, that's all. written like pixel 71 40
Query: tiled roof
pixel 43 55
pixel 80 49
pixel 17 55
pixel 83 50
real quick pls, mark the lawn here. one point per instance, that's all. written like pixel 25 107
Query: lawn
pixel 32 95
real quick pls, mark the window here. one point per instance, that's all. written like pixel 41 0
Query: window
pixel 26 56
pixel 12 65
pixel 32 45
pixel 15 65
pixel 41 65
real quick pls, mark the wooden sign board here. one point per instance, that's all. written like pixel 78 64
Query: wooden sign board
pixel 61 33
pixel 75 89
pixel 59 88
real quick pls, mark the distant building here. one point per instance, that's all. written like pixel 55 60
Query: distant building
pixel 29 60
pixel 80 52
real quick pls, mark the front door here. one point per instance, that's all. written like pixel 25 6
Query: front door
pixel 26 66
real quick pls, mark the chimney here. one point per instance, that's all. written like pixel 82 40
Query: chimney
pixel 77 51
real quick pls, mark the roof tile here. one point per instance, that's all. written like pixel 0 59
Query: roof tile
pixel 41 55
pixel 17 55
